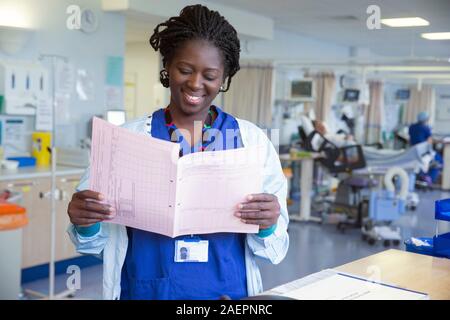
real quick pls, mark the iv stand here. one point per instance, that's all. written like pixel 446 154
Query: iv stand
pixel 69 292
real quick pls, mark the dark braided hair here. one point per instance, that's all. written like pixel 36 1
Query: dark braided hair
pixel 198 22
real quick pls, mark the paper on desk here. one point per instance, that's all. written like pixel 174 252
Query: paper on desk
pixel 345 287
pixel 299 283
pixel 153 190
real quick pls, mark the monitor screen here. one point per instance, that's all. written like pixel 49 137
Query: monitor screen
pixel 301 89
pixel 116 117
pixel 351 95
pixel 402 94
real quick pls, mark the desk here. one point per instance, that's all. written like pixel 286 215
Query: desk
pixel 405 269
pixel 306 182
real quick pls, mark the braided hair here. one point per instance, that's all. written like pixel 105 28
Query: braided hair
pixel 197 22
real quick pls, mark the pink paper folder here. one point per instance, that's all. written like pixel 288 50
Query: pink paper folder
pixel 153 189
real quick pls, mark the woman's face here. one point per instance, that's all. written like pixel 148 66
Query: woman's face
pixel 196 73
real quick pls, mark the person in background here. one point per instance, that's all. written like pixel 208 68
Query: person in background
pixel 420 132
pixel 339 138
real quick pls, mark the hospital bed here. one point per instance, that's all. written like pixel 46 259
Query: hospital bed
pixel 366 168
pixel 373 160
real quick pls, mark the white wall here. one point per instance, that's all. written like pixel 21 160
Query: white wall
pixel 441 126
pixel 144 63
pixel 290 46
pixel 84 51
pixel 245 22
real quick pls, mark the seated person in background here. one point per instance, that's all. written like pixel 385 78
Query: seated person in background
pixel 421 132
pixel 339 138
pixel 319 126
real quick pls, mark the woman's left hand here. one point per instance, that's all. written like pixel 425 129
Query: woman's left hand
pixel 262 209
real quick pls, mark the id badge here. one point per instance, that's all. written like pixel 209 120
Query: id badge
pixel 191 250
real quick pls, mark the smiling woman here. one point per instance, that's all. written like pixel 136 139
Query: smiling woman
pixel 198 22
pixel 200 52
pixel 196 74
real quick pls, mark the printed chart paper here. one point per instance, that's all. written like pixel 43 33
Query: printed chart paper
pixel 347 287
pixel 153 189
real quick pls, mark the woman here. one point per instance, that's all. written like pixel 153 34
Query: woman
pixel 200 51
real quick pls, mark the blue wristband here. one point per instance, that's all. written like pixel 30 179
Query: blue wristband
pixel 88 231
pixel 267 232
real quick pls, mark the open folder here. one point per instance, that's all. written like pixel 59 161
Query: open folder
pixel 153 189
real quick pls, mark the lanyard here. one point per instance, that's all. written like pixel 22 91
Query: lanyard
pixel 171 127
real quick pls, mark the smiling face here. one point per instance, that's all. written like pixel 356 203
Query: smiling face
pixel 196 73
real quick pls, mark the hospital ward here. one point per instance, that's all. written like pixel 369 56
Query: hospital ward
pixel 231 150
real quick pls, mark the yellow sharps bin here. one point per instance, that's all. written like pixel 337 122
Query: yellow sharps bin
pixel 42 147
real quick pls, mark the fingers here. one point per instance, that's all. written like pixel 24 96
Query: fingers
pixel 254 215
pixel 256 206
pixel 85 208
pixel 83 214
pixel 261 201
pixel 261 209
pixel 262 218
pixel 89 194
pixel 85 217
pixel 94 206
pixel 265 197
pixel 89 200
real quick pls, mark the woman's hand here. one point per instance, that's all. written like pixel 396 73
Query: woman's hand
pixel 262 209
pixel 85 209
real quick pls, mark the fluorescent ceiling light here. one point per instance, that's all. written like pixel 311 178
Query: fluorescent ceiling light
pixel 13 17
pixel 436 36
pixel 405 22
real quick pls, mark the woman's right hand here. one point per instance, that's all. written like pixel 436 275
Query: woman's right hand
pixel 85 209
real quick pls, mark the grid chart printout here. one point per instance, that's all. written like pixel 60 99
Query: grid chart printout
pixel 154 190
pixel 210 186
pixel 137 176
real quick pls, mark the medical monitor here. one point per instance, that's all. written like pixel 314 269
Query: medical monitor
pixel 301 89
pixel 351 95
pixel 402 94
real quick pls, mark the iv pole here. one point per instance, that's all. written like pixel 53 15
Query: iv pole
pixel 53 194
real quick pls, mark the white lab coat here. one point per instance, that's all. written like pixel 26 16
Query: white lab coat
pixel 111 241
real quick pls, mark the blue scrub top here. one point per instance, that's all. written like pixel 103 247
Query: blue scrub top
pixel 149 270
pixel 418 133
